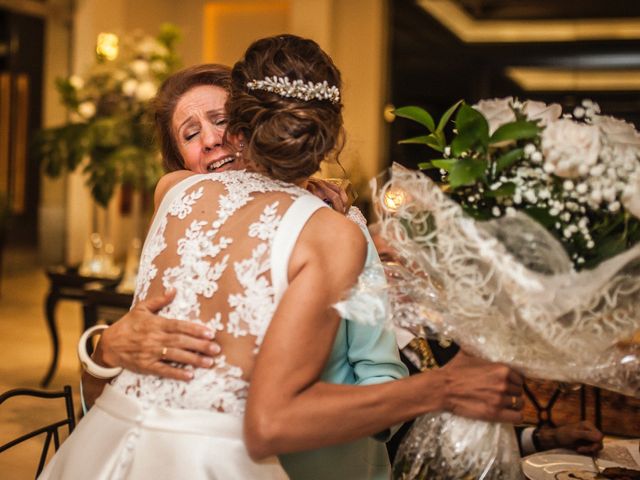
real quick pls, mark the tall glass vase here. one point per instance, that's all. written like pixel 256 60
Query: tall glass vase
pixel 98 259
pixel 141 216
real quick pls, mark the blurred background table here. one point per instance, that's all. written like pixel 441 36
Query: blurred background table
pixel 65 283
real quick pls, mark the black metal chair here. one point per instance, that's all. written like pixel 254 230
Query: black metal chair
pixel 50 430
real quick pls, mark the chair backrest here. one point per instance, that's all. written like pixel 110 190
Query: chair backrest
pixel 559 392
pixel 51 430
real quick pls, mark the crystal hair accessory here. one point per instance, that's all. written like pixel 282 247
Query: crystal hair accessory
pixel 297 89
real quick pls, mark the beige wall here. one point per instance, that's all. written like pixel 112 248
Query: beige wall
pixel 360 51
pixel 230 25
pixel 52 209
pixel 352 31
pixel 91 18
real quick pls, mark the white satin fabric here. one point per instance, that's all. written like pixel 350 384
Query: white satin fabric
pixel 122 438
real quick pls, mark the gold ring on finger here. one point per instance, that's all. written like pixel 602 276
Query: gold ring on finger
pixel 514 402
pixel 164 352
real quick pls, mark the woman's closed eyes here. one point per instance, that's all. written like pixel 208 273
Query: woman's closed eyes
pixel 193 129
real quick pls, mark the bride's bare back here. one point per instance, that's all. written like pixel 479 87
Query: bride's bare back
pixel 212 240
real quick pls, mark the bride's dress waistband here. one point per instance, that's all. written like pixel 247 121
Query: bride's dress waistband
pixel 204 422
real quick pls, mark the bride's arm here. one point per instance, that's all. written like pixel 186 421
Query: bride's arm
pixel 288 409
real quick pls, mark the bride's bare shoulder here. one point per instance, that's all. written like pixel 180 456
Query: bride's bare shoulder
pixel 167 181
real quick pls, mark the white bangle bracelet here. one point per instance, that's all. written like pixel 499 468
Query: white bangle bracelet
pixel 89 366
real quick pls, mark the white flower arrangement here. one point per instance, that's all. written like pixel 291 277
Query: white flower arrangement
pixel 525 251
pixel 108 108
pixel 577 174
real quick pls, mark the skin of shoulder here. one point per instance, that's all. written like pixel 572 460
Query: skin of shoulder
pixel 167 181
pixel 332 242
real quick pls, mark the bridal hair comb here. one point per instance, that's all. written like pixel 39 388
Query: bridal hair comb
pixel 297 89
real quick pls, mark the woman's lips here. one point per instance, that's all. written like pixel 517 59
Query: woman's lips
pixel 213 166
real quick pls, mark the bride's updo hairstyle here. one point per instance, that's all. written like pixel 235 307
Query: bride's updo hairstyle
pixel 287 137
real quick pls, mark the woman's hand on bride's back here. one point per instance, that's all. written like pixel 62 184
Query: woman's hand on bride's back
pixel 330 193
pixel 145 342
pixel 483 390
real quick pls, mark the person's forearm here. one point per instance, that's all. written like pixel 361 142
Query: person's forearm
pixel 373 409
pixel 295 416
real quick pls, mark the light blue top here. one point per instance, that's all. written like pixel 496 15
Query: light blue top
pixel 362 355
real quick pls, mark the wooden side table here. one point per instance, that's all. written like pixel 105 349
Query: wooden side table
pixel 65 283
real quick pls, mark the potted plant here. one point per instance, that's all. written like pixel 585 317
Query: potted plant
pixel 109 132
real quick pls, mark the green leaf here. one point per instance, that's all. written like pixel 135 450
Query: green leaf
pixel 470 120
pixel 611 246
pixel 416 114
pixel 445 163
pixel 429 140
pixel 462 143
pixel 519 130
pixel 508 159
pixel 541 215
pixel 466 171
pixel 447 115
pixel 506 190
pixel 473 131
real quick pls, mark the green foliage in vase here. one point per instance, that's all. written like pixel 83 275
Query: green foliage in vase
pixel 109 119
pixel 577 174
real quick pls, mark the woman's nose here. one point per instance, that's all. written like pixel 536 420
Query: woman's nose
pixel 211 137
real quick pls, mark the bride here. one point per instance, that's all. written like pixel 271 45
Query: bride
pixel 250 254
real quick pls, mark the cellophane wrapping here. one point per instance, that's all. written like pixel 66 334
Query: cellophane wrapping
pixel 504 290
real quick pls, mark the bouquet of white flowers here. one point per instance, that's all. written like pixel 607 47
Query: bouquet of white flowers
pixel 108 114
pixel 525 252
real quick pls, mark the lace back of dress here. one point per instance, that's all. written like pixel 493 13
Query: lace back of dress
pixel 213 245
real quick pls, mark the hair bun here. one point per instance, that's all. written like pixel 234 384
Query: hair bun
pixel 291 142
pixel 286 136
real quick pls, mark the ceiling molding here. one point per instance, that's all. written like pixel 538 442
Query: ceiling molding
pixel 533 79
pixel 470 30
pixel 60 10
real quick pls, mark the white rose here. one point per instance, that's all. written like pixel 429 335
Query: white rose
pixel 161 50
pixel 617 131
pixel 140 68
pixel 631 197
pixel 146 91
pixel 87 110
pixel 158 66
pixel 150 46
pixel 567 145
pixel 129 87
pixel 497 111
pixel 76 82
pixel 145 46
pixel 541 111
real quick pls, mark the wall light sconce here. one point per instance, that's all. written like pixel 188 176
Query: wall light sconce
pixel 394 198
pixel 388 113
pixel 107 46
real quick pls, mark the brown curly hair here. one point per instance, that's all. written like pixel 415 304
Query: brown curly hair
pixel 286 137
pixel 168 96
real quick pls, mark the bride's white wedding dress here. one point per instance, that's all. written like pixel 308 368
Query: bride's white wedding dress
pixel 223 241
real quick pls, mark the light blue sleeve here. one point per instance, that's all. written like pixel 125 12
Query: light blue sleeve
pixel 372 349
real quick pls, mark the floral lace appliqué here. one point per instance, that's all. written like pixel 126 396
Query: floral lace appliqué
pixel 200 264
